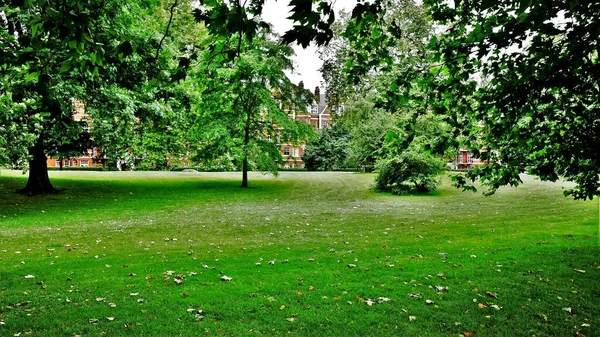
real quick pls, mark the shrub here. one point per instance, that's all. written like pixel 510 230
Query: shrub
pixel 410 172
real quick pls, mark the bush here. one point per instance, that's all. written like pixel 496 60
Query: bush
pixel 410 172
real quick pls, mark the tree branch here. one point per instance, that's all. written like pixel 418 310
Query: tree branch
pixel 172 10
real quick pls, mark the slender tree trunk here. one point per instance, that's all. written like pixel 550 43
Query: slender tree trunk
pixel 38 182
pixel 245 172
pixel 245 162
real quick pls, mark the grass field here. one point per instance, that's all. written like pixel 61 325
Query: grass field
pixel 308 254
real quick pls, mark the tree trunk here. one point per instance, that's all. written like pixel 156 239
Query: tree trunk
pixel 245 172
pixel 38 182
pixel 245 162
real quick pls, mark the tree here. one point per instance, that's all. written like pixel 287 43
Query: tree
pixel 329 152
pixel 368 127
pixel 144 123
pixel 240 117
pixel 410 172
pixel 519 79
pixel 53 52
pixel 515 80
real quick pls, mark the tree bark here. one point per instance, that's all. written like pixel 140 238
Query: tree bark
pixel 38 182
pixel 245 172
pixel 245 161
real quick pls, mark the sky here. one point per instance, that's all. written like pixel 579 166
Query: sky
pixel 307 61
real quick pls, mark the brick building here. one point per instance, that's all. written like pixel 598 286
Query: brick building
pixel 319 115
pixel 465 160
pixel 92 157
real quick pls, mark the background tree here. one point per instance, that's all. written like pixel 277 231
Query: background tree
pixel 240 116
pixel 329 151
pixel 368 127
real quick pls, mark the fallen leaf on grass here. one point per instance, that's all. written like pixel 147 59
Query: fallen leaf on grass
pixel 93 320
pixel 369 302
pixel 429 302
pixel 481 306
pixel 134 294
pixel 226 278
pixel 490 294
pixel 567 310
pixel 29 276
pixel 415 295
pixel 282 307
pixel 382 299
pixel 412 318
pixel 100 299
pixel 468 334
pixel 441 288
pixel 112 305
pixel 291 319
pixel 495 306
pixel 110 319
pixel 351 265
pixel 580 271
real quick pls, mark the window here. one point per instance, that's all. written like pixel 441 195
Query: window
pixel 57 163
pixel 324 123
pixel 314 109
pixel 84 163
pixel 286 151
pixel 67 163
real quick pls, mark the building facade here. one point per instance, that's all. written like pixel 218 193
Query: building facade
pixel 91 157
pixel 319 115
pixel 465 160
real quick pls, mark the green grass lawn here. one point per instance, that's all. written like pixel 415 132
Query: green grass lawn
pixel 308 254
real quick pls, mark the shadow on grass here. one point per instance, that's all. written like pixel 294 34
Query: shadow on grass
pixel 79 197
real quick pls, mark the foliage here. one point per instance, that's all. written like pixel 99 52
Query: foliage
pixel 329 152
pixel 502 75
pixel 367 127
pixel 519 79
pixel 53 52
pixel 410 172
pixel 240 118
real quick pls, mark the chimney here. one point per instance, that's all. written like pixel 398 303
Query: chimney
pixel 317 93
pixel 301 84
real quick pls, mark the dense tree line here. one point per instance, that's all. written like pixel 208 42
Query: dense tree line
pixel 517 79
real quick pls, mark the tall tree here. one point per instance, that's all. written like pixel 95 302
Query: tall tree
pixel 144 124
pixel 520 80
pixel 241 117
pixel 329 152
pixel 51 52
